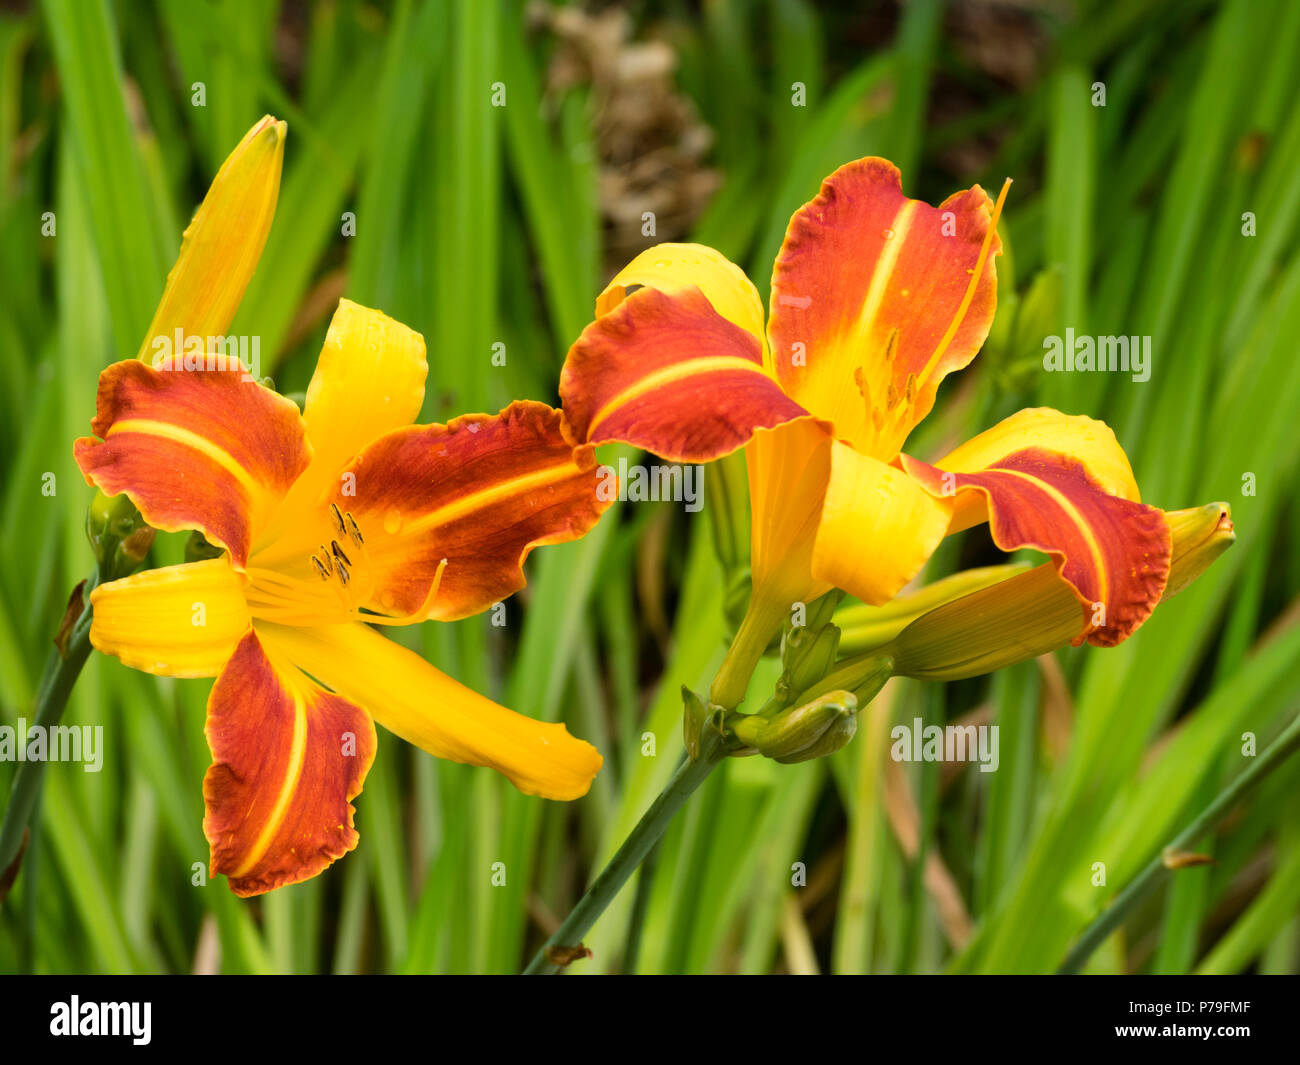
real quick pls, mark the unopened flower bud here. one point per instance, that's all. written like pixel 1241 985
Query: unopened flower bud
pixel 809 655
pixel 809 731
pixel 118 535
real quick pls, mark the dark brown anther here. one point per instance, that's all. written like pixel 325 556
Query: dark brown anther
pixel 354 530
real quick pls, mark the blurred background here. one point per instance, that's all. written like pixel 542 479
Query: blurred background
pixel 1155 148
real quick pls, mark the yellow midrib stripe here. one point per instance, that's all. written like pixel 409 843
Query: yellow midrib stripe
pixel 884 270
pixel 1064 502
pixel 293 771
pixel 670 375
pixel 842 395
pixel 487 496
pixel 190 439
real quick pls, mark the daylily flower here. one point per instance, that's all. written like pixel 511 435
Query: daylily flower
pixel 332 520
pixel 875 299
pixel 329 521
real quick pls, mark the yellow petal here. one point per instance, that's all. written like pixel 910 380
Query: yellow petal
pixel 179 621
pixel 222 243
pixel 369 379
pixel 671 268
pixel 409 697
pixel 878 527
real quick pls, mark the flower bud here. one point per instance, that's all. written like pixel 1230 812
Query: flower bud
pixel 1036 612
pixel 118 535
pixel 809 655
pixel 222 244
pixel 815 729
pixel 865 627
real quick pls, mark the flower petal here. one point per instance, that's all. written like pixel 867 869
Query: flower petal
pixel 1113 551
pixel 876 297
pixel 1034 612
pixel 668 373
pixel 676 268
pixel 223 242
pixel 427 708
pixel 788 470
pixel 194 449
pixel 288 758
pixel 178 621
pixel 478 493
pixel 1090 441
pixel 878 527
pixel 369 380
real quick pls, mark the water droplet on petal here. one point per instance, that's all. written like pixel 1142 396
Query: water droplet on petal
pixel 887 233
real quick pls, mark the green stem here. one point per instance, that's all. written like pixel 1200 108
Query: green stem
pixel 640 906
pixel 1156 871
pixel 762 621
pixel 648 831
pixel 61 672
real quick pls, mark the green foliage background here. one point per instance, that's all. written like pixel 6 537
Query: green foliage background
pixel 478 224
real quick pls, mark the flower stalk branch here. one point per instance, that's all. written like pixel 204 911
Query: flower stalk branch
pixel 1158 870
pixel 61 673
pixel 563 945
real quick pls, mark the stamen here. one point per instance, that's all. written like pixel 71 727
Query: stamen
pixel 320 568
pixel 325 557
pixel 339 553
pixel 971 286
pixel 338 519
pixel 344 576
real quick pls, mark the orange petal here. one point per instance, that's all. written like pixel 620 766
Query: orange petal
pixel 194 449
pixel 788 470
pixel 222 243
pixel 1113 552
pixel 669 374
pixel 427 708
pixel 876 297
pixel 288 758
pixel 478 493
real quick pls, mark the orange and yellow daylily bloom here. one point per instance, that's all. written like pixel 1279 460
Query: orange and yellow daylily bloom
pixel 875 299
pixel 332 520
pixel 329 521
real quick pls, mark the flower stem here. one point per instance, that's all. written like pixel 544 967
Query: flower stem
pixel 762 621
pixel 648 831
pixel 1156 871
pixel 61 672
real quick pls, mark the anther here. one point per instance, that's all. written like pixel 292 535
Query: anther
pixel 343 574
pixel 320 568
pixel 325 558
pixel 354 530
pixel 338 519
pixel 339 553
